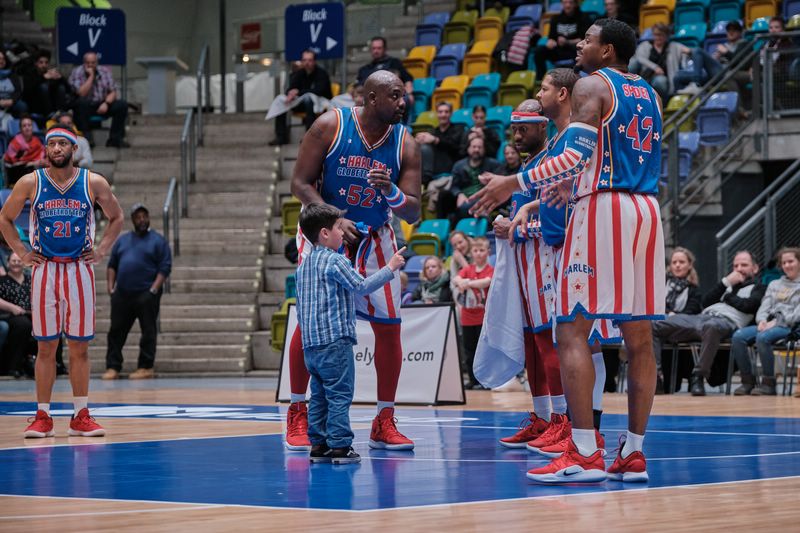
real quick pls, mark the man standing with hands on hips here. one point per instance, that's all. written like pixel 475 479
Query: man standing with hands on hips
pixel 139 264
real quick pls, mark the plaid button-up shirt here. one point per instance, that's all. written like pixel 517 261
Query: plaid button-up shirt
pixel 103 82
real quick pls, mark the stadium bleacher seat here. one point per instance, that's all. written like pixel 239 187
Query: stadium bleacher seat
pixel 760 25
pixel 688 145
pixel 499 119
pixel 290 287
pixel 793 23
pixel 430 31
pixel 482 90
pixel 650 15
pixel 290 212
pixel 474 227
pixel 278 325
pixel 526 14
pixel 669 4
pixel 754 9
pixel 413 268
pixel 418 61
pixel 714 118
pixel 501 154
pixel 676 103
pixel 594 8
pixel 724 10
pixel 503 13
pixel 790 8
pixel 554 7
pixel 423 91
pixel 488 29
pixel 451 90
pixel 459 28
pixel 691 35
pixel 479 59
pixel 688 13
pixel 462 116
pixel 429 239
pixel 407 229
pixel 516 88
pixel 448 61
pixel 425 121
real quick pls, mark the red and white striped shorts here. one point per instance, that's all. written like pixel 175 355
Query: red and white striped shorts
pixel 612 265
pixel 534 262
pixel 63 300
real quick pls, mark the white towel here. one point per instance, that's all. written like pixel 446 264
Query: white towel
pixel 500 354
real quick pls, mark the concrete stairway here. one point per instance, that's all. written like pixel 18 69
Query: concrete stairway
pixel 15 23
pixel 208 319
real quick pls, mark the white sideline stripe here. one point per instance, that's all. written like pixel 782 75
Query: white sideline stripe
pixel 621 430
pixel 98 443
pixel 108 513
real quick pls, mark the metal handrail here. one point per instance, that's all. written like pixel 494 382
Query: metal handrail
pixel 170 211
pixel 188 159
pixel 203 77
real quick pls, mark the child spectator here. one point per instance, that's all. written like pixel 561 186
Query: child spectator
pixel 434 284
pixel 326 284
pixel 473 285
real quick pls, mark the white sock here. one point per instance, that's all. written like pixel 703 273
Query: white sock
pixel 599 381
pixel 384 405
pixel 542 407
pixel 44 407
pixel 585 441
pixel 298 398
pixel 559 404
pixel 633 443
pixel 80 402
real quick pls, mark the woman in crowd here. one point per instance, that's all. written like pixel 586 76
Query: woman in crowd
pixel 25 152
pixel 434 284
pixel 512 159
pixel 778 313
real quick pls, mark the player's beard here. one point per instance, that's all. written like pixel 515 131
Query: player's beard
pixel 63 164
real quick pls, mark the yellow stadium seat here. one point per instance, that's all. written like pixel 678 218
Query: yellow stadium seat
pixel 754 9
pixel 451 90
pixel 488 29
pixel 290 213
pixel 278 324
pixel 503 13
pixel 669 4
pixel 336 88
pixel 425 121
pixel 418 61
pixel 544 24
pixel 517 87
pixel 479 59
pixel 425 244
pixel 408 229
pixel 459 29
pixel 650 15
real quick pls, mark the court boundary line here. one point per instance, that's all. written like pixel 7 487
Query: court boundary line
pixel 189 507
pixel 431 506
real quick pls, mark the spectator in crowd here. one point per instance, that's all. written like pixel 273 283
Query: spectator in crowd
pixel 82 157
pixel 10 92
pixel 353 97
pixel 566 30
pixel 777 315
pixel 310 78
pixel 614 11
pixel 441 148
pixel 730 305
pixel 406 296
pixel 434 286
pixel 98 95
pixel 513 161
pixel 491 141
pixel 683 294
pixel 44 88
pixel 459 258
pixel 473 283
pixel 139 264
pixel 382 61
pixel 659 61
pixel 25 152
pixel 690 81
pixel 454 202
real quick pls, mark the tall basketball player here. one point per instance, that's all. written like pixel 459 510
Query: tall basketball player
pixel 363 161
pixel 612 265
pixel 62 256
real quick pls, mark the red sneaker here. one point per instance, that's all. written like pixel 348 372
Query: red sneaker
pixel 559 429
pixel 41 426
pixel 527 433
pixel 571 467
pixel 384 435
pixel 631 469
pixel 555 450
pixel 297 428
pixel 83 425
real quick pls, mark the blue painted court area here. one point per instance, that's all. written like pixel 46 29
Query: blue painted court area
pixel 457 459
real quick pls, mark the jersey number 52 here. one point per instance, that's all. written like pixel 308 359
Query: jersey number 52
pixel 363 196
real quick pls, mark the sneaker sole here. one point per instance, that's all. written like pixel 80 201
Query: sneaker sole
pixel 531 448
pixel 513 445
pixel 585 476
pixel 346 461
pixel 553 455
pixel 93 433
pixel 318 460
pixel 630 477
pixel 297 447
pixel 379 445
pixel 38 434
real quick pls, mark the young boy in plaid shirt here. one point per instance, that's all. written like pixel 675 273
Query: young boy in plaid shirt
pixel 326 287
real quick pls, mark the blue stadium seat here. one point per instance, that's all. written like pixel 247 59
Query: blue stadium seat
pixel 689 13
pixel 688 145
pixel 462 116
pixel 714 118
pixel 724 10
pixel 423 91
pixel 428 35
pixel 691 35
pixel 474 227
pixel 448 61
pixel 712 40
pixel 501 152
pixel 555 7
pixel 413 268
pixel 482 90
pixel 523 16
pixel 499 119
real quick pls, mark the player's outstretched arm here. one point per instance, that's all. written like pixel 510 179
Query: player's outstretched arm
pixel 113 212
pixel 23 191
pixel 311 157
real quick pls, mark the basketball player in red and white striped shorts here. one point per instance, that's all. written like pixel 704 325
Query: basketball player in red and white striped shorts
pixel 62 281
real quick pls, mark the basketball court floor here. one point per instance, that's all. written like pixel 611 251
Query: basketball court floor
pixel 207 454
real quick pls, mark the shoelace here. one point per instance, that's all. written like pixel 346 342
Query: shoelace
pixel 390 426
pixel 553 429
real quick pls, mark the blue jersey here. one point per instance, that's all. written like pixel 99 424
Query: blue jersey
pixel 350 157
pixel 520 198
pixel 62 219
pixel 628 154
pixel 553 220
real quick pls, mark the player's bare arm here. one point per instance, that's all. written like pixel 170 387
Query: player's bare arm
pixel 410 181
pixel 101 191
pixel 23 191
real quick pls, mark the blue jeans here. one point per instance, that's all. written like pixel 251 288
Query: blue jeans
pixel 763 341
pixel 702 61
pixel 332 370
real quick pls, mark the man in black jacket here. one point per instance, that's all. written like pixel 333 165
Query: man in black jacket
pixel 730 305
pixel 382 61
pixel 566 30
pixel 308 79
pixel 441 148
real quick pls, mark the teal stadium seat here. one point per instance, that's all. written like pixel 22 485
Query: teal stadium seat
pixel 482 90
pixel 474 227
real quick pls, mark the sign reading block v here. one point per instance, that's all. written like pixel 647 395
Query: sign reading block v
pixel 319 27
pixel 100 30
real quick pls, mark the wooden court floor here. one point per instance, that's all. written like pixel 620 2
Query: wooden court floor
pixel 765 504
